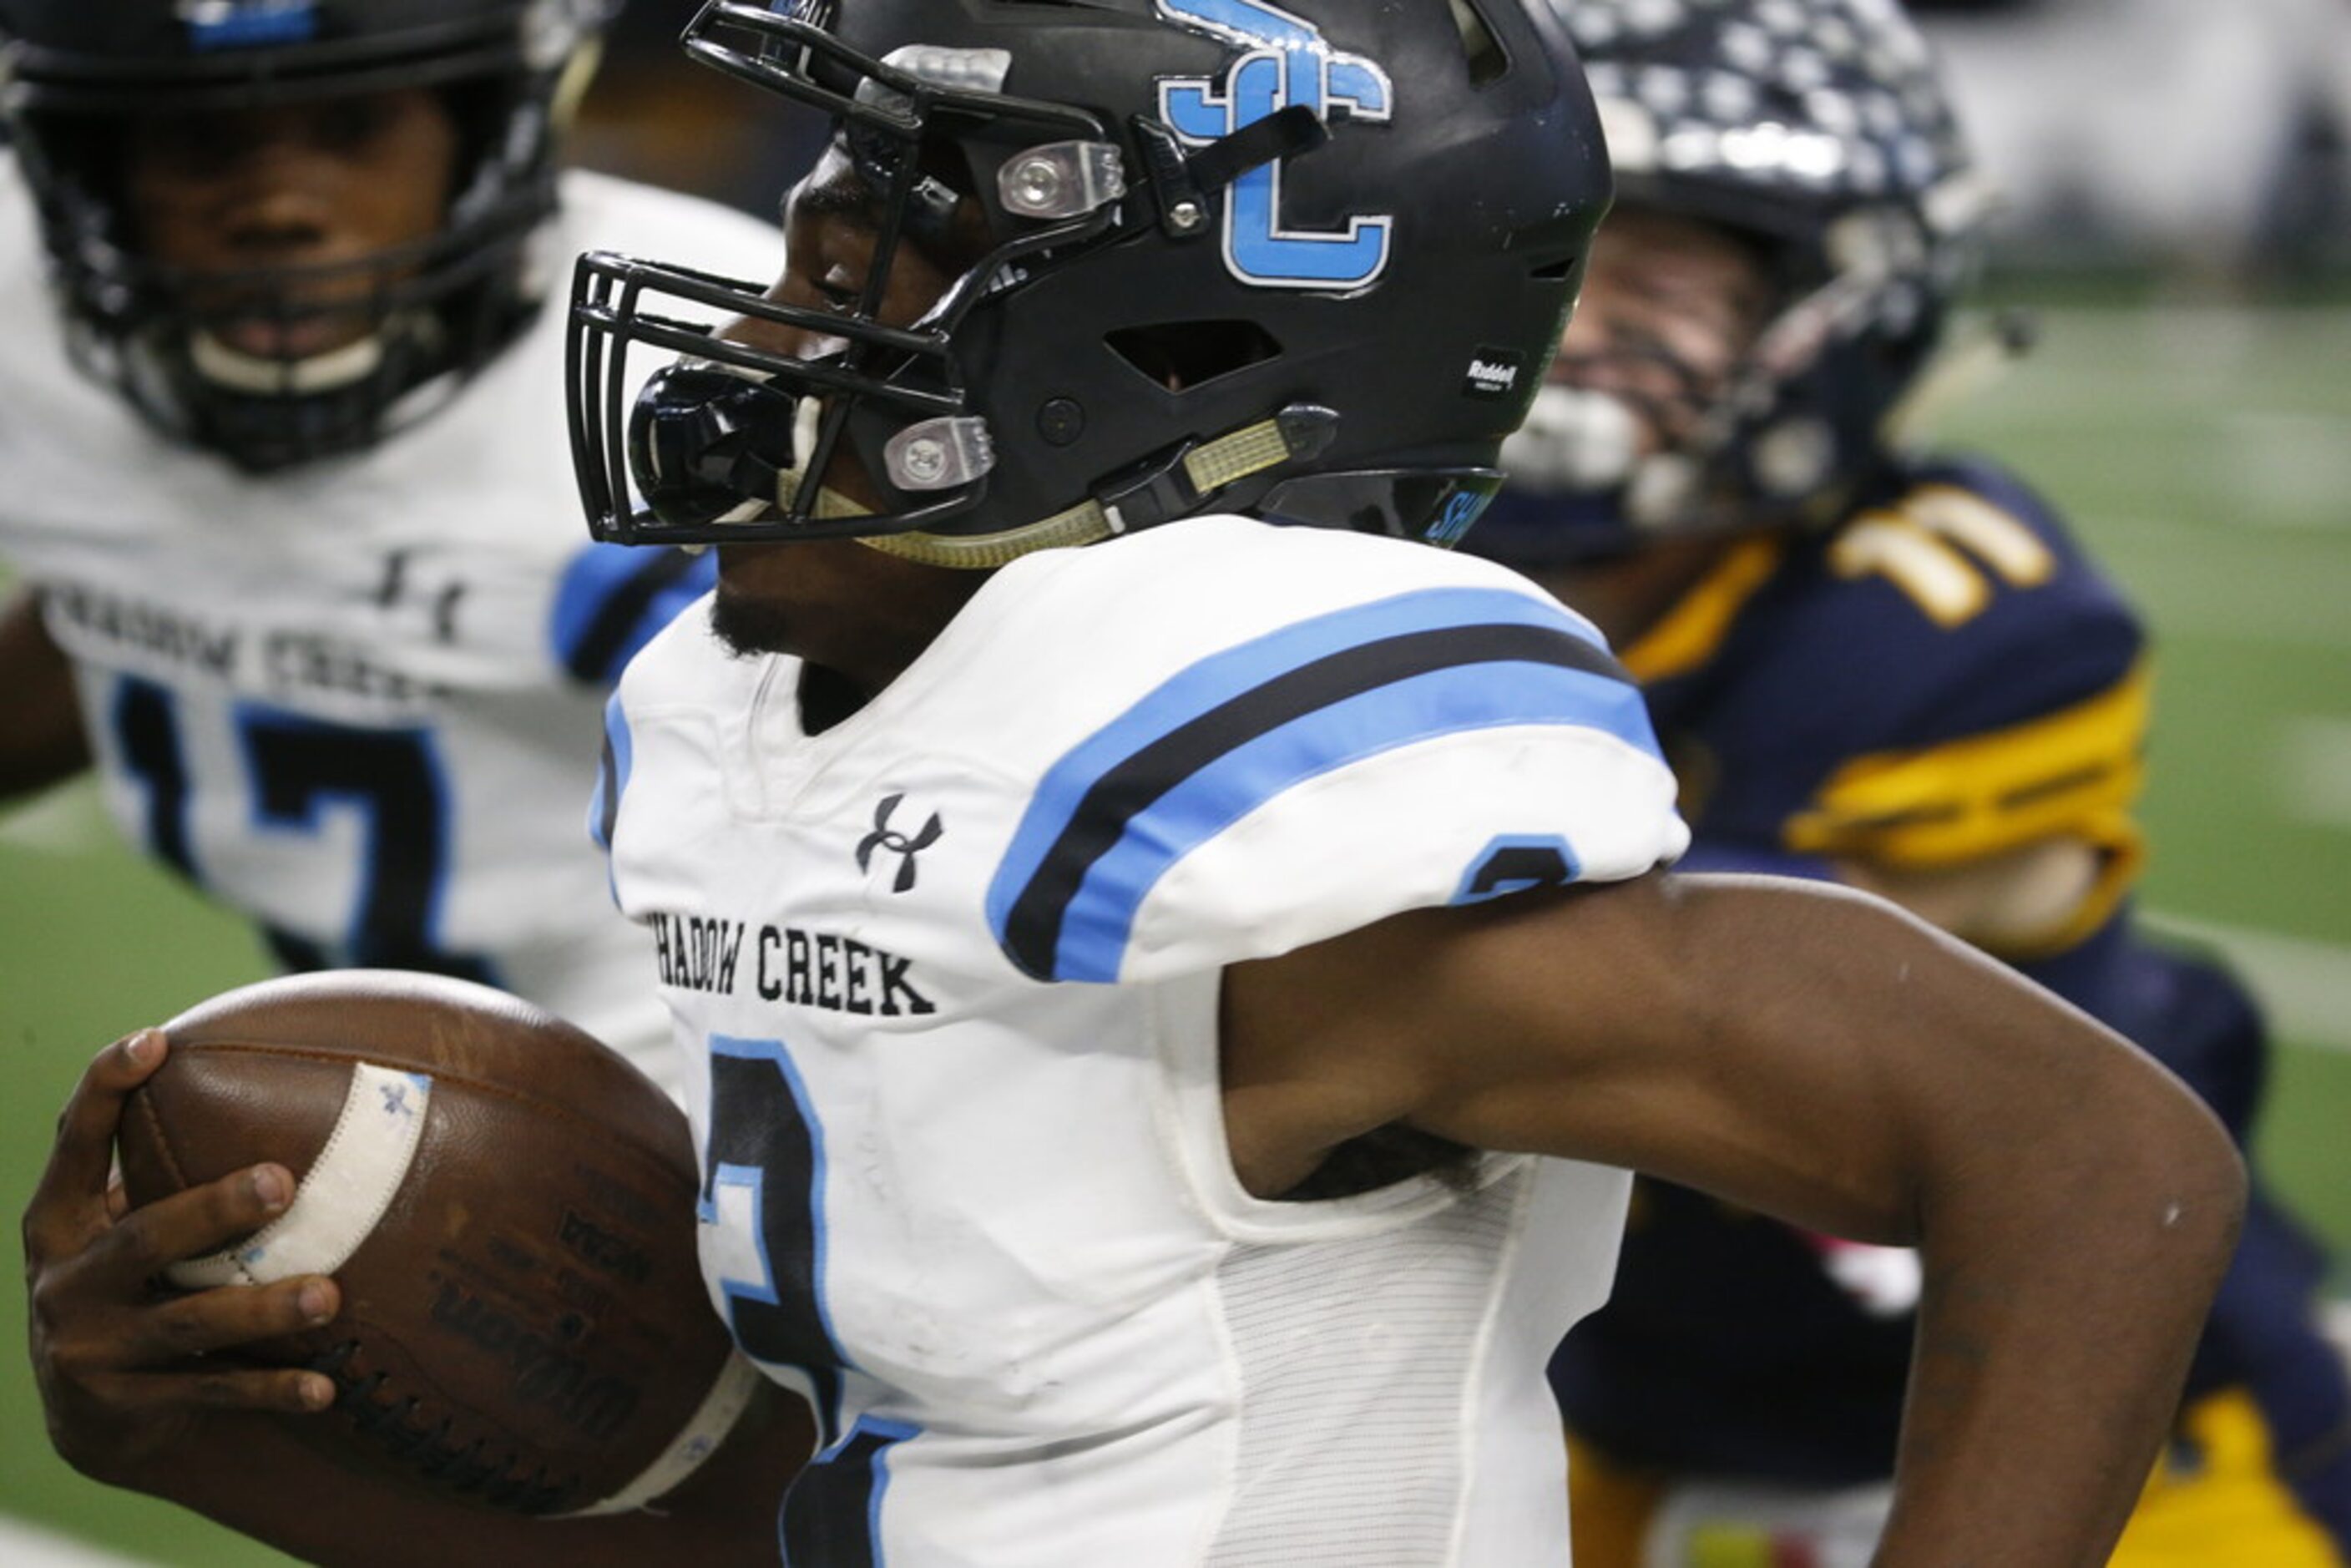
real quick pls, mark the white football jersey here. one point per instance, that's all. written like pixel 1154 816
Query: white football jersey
pixel 359 701
pixel 952 966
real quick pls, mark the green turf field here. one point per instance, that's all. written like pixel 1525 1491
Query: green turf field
pixel 2206 454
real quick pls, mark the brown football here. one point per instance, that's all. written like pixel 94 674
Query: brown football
pixel 508 1206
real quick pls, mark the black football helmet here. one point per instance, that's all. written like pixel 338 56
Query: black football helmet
pixel 1818 128
pixel 1304 261
pixel 72 72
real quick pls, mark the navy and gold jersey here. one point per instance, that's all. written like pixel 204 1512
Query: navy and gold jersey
pixel 1941 680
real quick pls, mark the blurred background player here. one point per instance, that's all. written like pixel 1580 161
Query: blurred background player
pixel 1895 672
pixel 299 557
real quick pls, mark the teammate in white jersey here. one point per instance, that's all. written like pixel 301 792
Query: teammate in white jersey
pixel 338 663
pixel 1171 1013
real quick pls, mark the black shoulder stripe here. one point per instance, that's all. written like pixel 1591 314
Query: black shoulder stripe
pixel 1032 928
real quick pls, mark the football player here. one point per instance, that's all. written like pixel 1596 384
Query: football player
pixel 298 569
pixel 1896 671
pixel 1138 953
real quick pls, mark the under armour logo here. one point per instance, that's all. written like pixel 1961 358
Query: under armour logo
pixel 1285 61
pixel 885 837
pixel 397 589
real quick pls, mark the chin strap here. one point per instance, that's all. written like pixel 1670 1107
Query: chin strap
pixel 1168 488
pixel 1183 180
pixel 1084 524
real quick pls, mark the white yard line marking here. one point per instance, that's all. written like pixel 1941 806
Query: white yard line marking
pixel 2303 985
pixel 64 821
pixel 2313 770
pixel 25 1545
pixel 2296 469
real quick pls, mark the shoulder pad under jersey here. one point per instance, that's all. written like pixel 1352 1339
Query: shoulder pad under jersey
pixel 1285 734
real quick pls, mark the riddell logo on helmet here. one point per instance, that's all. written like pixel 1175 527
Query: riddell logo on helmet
pixel 1285 61
pixel 1493 372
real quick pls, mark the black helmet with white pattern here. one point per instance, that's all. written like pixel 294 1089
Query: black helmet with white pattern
pixel 73 73
pixel 1819 130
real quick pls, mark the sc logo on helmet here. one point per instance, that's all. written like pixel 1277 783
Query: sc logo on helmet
pixel 1287 62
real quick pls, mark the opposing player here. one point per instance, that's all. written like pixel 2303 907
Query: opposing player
pixel 299 573
pixel 1136 984
pixel 1898 673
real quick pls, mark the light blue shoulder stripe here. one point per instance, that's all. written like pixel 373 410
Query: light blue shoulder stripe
pixel 1226 674
pixel 1100 920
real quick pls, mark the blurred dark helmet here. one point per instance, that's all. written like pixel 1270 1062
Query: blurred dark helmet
pixel 79 73
pixel 1304 261
pixel 1818 130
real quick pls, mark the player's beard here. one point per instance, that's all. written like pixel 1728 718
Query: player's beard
pixel 835 603
pixel 752 628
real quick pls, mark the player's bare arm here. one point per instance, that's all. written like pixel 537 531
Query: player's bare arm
pixel 141 1388
pixel 41 738
pixel 2076 1205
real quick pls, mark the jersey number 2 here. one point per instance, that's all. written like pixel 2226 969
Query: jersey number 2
pixel 763 1195
pixel 763 1189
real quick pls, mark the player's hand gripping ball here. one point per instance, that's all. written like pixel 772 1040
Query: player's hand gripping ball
pixel 509 1210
